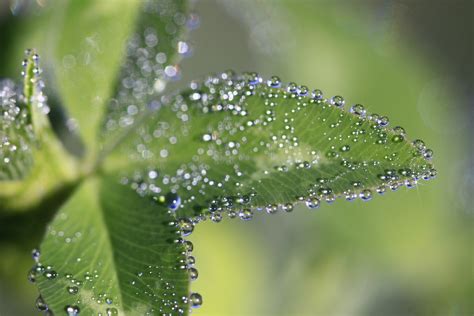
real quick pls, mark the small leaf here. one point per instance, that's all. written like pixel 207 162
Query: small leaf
pixel 33 162
pixel 151 60
pixel 110 251
pixel 22 116
pixel 16 134
pixel 233 144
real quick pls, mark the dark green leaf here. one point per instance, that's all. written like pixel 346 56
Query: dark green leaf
pixel 110 251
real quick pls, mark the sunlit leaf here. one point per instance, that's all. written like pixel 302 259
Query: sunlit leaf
pixel 235 144
pixel 111 251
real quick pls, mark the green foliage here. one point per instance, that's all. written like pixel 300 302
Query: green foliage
pixel 114 252
pixel 158 165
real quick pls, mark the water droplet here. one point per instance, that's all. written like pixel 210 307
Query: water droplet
pixel 41 304
pixel 312 203
pixel 72 289
pixel 345 148
pixel 365 195
pixel 358 109
pixel 173 201
pixel 338 101
pixel 72 310
pixel 193 273
pixel 271 208
pixel 274 82
pixel 35 253
pixel 246 214
pixel 195 300
pixel 185 226
pixel 288 207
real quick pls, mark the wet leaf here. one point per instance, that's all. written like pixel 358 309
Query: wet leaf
pixel 235 144
pixel 111 251
pixel 88 48
pixel 152 54
pixel 33 161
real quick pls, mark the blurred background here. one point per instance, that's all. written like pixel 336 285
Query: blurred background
pixel 408 253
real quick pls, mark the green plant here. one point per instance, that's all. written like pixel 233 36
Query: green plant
pixel 155 165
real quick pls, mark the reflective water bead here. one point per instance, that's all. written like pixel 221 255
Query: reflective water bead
pixel 193 273
pixel 419 144
pixel 338 101
pixel 428 154
pixel 303 91
pixel 246 214
pixel 397 138
pixel 288 207
pixel 188 245
pixel 292 87
pixel 345 148
pixel 317 94
pixel 312 203
pixel 383 121
pixel 50 274
pixel 399 130
pixel 111 311
pixel 173 201
pixel 365 195
pixel 216 217
pixel 195 300
pixel 185 226
pixel 72 289
pixel 274 82
pixel 358 109
pixel 271 208
pixel 72 310
pixel 41 304
pixel 35 253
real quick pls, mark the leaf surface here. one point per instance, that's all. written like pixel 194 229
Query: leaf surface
pixel 111 251
pixel 232 144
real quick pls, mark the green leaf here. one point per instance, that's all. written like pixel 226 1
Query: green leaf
pixel 87 50
pixel 110 251
pixel 151 60
pixel 16 134
pixel 233 144
pixel 34 163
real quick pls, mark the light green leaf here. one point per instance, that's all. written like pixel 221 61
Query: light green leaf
pixel 110 251
pixel 233 144
pixel 87 50
pixel 151 60
pixel 34 164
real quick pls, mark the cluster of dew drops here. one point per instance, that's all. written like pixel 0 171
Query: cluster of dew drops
pixel 149 64
pixel 169 303
pixel 16 129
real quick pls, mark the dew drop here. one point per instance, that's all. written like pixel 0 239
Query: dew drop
pixel 338 101
pixel 288 207
pixel 365 195
pixel 185 226
pixel 72 310
pixel 72 289
pixel 195 299
pixel 313 203
pixel 246 214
